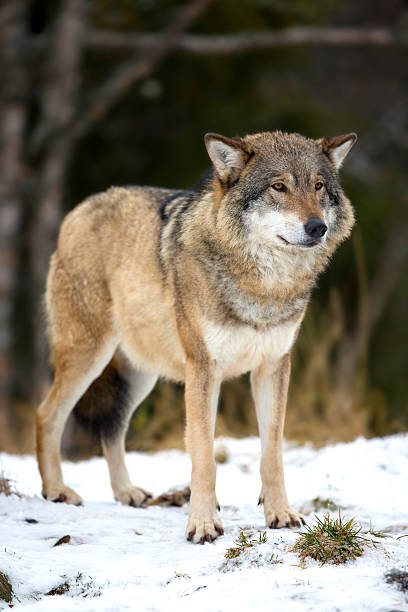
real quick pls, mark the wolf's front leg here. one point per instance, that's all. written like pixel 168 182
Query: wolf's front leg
pixel 270 387
pixel 201 393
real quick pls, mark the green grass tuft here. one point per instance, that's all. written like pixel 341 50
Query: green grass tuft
pixel 247 551
pixel 243 542
pixel 332 541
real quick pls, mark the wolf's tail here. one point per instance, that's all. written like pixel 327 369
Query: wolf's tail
pixel 103 408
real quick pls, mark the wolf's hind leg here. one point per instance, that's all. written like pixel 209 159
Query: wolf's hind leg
pixel 139 386
pixel 75 370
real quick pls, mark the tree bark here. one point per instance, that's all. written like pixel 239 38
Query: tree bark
pixel 12 126
pixel 58 107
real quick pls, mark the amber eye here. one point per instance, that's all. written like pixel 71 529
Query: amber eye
pixel 318 185
pixel 279 187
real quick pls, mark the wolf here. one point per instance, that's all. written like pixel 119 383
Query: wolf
pixel 195 286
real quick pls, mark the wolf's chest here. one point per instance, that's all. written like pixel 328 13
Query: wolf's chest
pixel 241 348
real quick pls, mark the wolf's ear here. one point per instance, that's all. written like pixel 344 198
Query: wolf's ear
pixel 229 156
pixel 337 148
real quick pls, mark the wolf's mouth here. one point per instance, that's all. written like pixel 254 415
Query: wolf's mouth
pixel 305 245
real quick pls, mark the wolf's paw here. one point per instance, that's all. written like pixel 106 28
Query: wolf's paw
pixel 202 529
pixel 284 517
pixel 61 494
pixel 132 496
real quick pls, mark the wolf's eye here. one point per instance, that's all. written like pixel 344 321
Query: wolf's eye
pixel 279 187
pixel 318 185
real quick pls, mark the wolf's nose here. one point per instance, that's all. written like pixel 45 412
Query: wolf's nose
pixel 315 228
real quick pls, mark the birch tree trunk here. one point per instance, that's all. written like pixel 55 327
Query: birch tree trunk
pixel 12 126
pixel 58 107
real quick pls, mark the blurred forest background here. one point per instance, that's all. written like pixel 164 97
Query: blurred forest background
pixel 116 92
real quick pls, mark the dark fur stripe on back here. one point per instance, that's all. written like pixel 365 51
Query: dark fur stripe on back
pixel 164 208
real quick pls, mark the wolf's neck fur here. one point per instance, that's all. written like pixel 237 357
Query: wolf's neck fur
pixel 260 286
pixel 261 289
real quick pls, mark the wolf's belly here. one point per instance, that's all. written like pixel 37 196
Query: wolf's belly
pixel 157 353
pixel 148 334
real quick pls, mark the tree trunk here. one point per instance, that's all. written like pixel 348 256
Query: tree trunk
pixel 58 107
pixel 12 126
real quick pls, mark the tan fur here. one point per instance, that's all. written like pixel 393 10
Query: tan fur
pixel 191 290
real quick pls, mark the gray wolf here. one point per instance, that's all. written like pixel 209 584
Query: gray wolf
pixel 196 286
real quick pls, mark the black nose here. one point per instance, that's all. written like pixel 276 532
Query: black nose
pixel 315 228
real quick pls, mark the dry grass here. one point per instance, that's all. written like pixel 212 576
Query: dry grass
pixel 174 497
pixel 7 486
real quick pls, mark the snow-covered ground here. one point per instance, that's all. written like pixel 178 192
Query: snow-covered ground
pixel 122 558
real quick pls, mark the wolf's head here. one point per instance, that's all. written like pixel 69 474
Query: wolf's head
pixel 283 188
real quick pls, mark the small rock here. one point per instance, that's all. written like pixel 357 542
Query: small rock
pixel 398 577
pixel 6 591
pixel 64 540
pixel 221 454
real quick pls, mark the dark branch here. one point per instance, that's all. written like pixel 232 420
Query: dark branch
pixel 250 41
pixel 138 68
pixel 129 73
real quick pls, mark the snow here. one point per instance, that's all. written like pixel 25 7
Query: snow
pixel 123 558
